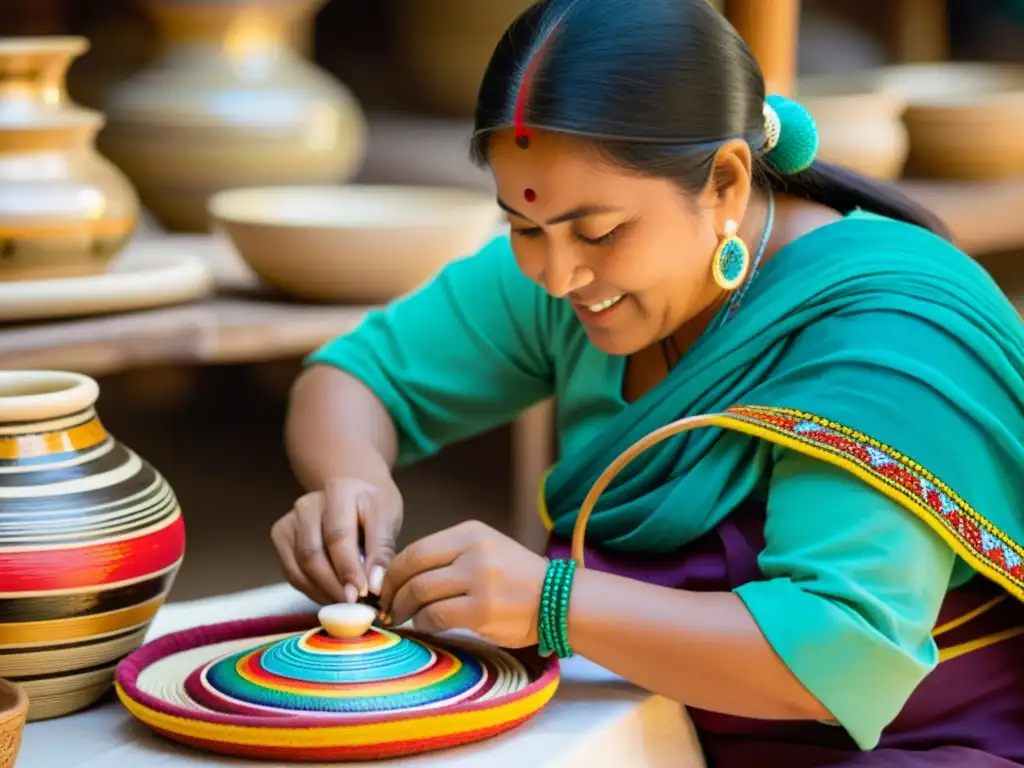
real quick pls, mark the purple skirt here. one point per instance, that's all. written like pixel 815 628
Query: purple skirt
pixel 968 713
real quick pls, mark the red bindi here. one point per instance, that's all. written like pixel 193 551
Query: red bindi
pixel 530 195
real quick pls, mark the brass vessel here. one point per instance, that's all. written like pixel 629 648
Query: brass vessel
pixel 64 209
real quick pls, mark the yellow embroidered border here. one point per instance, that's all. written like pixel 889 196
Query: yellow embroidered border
pixel 986 548
pixel 980 543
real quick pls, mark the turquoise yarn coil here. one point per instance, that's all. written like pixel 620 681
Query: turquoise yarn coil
pixel 733 261
pixel 798 137
pixel 288 659
pixel 403 674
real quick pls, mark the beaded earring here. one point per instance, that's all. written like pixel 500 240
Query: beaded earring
pixel 731 260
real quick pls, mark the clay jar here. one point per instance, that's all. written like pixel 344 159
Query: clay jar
pixel 228 102
pixel 860 127
pixel 91 539
pixel 64 210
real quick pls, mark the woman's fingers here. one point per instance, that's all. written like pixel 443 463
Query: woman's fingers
pixel 340 531
pixel 429 553
pixel 381 524
pixel 311 553
pixel 318 541
pixel 283 535
pixel 443 615
pixel 424 590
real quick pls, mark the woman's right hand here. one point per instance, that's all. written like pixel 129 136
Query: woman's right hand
pixel 318 541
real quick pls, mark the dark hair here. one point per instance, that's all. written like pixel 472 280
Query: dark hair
pixel 657 86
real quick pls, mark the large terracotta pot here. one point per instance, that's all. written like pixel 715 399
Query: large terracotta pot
pixel 229 102
pixel 64 209
pixel 91 538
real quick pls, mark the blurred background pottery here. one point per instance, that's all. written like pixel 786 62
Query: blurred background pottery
pixel 964 119
pixel 229 102
pixel 13 711
pixel 145 274
pixel 64 209
pixel 91 539
pixel 356 243
pixel 445 46
pixel 859 127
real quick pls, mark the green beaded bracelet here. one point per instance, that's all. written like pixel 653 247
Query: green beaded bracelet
pixel 553 624
pixel 546 633
pixel 554 601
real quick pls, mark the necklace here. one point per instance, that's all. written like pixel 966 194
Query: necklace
pixel 669 343
pixel 737 297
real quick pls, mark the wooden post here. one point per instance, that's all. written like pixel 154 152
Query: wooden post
pixel 533 453
pixel 772 30
pixel 920 30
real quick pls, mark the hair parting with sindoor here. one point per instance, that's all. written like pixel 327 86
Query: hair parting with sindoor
pixel 657 86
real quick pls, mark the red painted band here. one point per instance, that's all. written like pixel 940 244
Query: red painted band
pixel 77 567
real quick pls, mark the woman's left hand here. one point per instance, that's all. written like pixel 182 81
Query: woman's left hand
pixel 468 577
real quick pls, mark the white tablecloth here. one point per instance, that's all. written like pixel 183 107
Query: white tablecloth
pixel 596 719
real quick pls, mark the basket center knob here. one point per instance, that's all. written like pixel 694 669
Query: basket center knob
pixel 346 620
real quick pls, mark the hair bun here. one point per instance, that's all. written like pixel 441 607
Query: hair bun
pixel 791 135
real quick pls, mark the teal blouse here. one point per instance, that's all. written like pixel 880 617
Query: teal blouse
pixel 854 582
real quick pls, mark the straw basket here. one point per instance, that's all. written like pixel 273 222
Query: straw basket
pixel 13 711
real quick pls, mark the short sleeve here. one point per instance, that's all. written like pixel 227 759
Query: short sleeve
pixel 463 354
pixel 853 587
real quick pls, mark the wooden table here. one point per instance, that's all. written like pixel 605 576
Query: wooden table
pixel 243 322
pixel 595 720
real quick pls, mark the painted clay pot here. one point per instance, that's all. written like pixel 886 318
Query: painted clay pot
pixel 64 209
pixel 91 539
pixel 229 102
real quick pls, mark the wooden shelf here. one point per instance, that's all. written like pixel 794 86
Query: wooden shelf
pixel 243 322
pixel 985 217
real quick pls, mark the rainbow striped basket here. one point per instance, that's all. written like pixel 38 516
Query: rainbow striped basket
pixel 283 689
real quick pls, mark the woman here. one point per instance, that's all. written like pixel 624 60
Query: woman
pixel 828 574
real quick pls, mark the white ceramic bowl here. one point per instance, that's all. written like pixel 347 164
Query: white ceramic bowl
pixel 354 243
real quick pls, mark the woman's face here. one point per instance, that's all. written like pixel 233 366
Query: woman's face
pixel 631 254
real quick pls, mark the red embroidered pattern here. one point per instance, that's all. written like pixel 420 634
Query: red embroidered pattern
pixel 927 493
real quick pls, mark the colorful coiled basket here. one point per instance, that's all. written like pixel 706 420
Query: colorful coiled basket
pixel 283 689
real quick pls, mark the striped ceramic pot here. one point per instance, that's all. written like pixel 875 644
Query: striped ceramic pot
pixel 91 538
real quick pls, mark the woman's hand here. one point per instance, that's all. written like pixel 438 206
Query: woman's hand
pixel 318 541
pixel 468 577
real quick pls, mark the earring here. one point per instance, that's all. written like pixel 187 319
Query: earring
pixel 731 261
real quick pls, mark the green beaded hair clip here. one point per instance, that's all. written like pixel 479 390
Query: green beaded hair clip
pixel 791 135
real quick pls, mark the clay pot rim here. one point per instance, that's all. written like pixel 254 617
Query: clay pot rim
pixel 13 702
pixel 993 84
pixel 34 395
pixel 892 105
pixel 438 207
pixel 73 45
